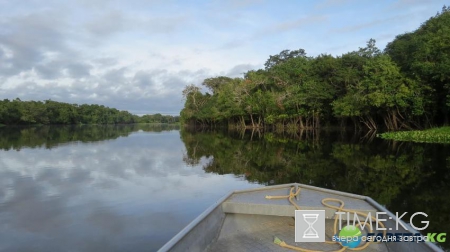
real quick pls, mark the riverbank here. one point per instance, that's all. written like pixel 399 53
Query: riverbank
pixel 434 135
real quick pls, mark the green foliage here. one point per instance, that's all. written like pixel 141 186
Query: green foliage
pixel 407 177
pixel 17 112
pixel 377 169
pixel 283 56
pixel 435 135
pixel 396 89
pixel 214 84
pixel 424 55
pixel 158 118
pixel 50 136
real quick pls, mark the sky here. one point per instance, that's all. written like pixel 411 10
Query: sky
pixel 138 55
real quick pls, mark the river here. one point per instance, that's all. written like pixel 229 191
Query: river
pixel 132 187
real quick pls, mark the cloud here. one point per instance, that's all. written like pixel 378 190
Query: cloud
pixel 167 24
pixel 49 71
pixel 141 92
pixel 105 62
pixel 139 56
pixel 29 39
pixel 58 68
pixel 375 22
pixel 114 22
pixel 290 25
pixel 116 75
pixel 331 3
pixel 273 30
pixel 108 24
pixel 239 70
pixel 240 4
pixel 405 3
pixel 78 69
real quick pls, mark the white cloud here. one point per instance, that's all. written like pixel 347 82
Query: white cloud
pixel 138 55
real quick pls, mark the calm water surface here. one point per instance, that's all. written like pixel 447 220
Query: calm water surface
pixel 117 188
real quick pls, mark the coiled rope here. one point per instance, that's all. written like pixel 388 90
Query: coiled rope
pixel 339 208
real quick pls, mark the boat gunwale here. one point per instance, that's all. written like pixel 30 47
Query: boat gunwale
pixel 377 205
pixel 180 235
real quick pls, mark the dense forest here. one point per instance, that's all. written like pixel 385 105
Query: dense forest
pixel 49 136
pixel 405 86
pixel 17 112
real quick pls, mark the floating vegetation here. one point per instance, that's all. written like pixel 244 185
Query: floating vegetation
pixel 435 135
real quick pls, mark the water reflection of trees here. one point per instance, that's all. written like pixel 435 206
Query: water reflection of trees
pixel 407 177
pixel 50 136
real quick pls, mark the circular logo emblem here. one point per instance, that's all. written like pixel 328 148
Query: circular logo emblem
pixel 352 236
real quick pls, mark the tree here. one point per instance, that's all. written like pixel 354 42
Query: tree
pixel 214 84
pixel 283 56
pixel 392 89
pixel 424 55
pixel 389 92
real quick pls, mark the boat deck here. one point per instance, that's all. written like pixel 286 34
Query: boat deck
pixel 248 221
pixel 242 232
pixel 255 202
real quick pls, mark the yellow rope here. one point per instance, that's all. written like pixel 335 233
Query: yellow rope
pixel 341 208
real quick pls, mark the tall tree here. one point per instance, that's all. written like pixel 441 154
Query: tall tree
pixel 283 56
pixel 425 56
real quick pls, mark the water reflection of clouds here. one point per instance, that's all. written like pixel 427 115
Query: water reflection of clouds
pixel 130 193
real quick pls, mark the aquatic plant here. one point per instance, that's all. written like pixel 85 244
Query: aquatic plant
pixel 435 135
